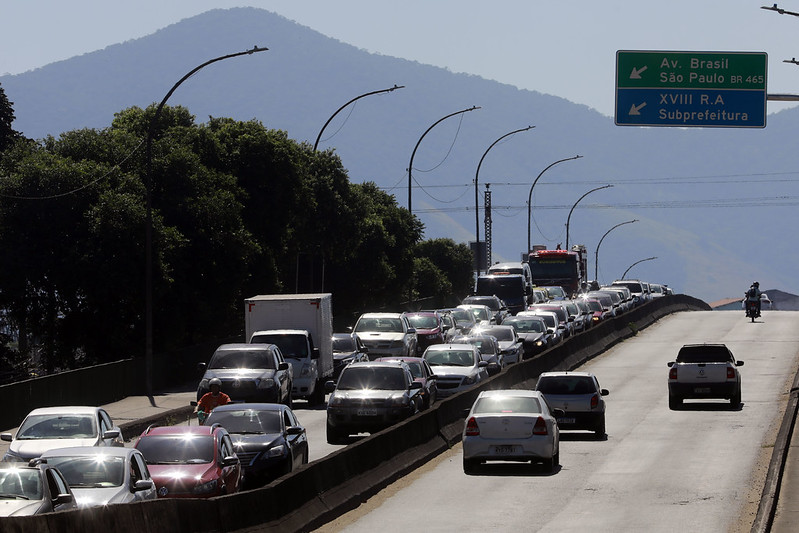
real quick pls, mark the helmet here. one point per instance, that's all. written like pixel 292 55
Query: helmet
pixel 756 284
pixel 215 381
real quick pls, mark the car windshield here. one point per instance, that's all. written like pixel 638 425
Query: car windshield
pixel 566 385
pixel 97 471
pixel 247 420
pixel 507 405
pixel 58 427
pixel 177 449
pixel 416 368
pixel 20 483
pixel 462 315
pixel 481 313
pixel 556 292
pixel 483 344
pixel 502 334
pixel 704 354
pixel 423 321
pixel 290 344
pixel 492 303
pixel 388 325
pixel 594 305
pixel 450 358
pixel 343 344
pixel 373 378
pixel 242 359
pixel 529 325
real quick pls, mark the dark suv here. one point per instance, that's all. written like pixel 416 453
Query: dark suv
pixel 249 373
pixel 369 397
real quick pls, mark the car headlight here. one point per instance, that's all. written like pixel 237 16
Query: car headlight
pixel 539 342
pixel 306 370
pixel 205 488
pixel 469 380
pixel 267 383
pixel 276 451
pixel 335 401
pixel 396 401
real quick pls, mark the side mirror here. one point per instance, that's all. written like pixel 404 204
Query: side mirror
pixel 669 364
pixel 283 365
pixel 412 330
pixel 739 363
pixel 193 403
pixel 315 353
pixel 6 437
pixel 201 367
pixel 416 385
pixel 143 484
pixel 63 498
pixel 294 430
pixel 111 434
pixel 557 412
pixel 330 386
pixel 604 392
pixel 230 460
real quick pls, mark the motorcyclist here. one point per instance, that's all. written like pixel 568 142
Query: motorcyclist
pixel 211 399
pixel 753 295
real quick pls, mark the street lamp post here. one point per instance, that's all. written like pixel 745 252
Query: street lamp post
pixel 476 195
pixel 596 254
pixel 410 165
pixel 530 196
pixel 315 144
pixel 568 219
pixel 148 232
pixel 641 261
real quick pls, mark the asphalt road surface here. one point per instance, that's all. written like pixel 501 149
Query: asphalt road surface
pixel 697 469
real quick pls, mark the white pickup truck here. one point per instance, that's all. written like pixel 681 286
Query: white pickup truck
pixel 704 371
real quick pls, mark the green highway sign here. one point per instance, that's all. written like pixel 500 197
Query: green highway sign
pixel 704 89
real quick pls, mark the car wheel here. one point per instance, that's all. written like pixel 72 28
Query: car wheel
pixel 675 402
pixel 334 436
pixel 470 465
pixel 600 428
pixel 735 401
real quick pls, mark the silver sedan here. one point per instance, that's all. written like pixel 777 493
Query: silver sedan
pixel 510 425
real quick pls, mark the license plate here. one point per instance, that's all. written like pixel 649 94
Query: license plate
pixel 367 412
pixel 565 420
pixel 504 450
pixel 701 390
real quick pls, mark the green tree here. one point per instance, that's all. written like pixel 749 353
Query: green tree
pixel 7 133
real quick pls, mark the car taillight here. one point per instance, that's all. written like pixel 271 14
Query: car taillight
pixel 472 430
pixel 730 373
pixel 673 373
pixel 540 427
pixel 594 401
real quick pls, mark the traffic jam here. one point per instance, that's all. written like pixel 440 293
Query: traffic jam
pixel 386 368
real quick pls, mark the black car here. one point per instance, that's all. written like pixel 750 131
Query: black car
pixel 249 373
pixel 493 302
pixel 369 397
pixel 533 331
pixel 347 348
pixel 267 438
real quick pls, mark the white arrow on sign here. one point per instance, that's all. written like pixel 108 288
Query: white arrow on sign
pixel 634 109
pixel 636 73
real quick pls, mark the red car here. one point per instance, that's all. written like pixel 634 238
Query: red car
pixel 429 328
pixel 190 461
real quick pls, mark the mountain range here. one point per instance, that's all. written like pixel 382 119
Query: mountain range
pixel 713 206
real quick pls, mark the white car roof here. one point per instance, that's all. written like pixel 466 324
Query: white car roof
pixel 91 451
pixel 380 315
pixel 510 392
pixel 565 373
pixel 69 409
pixel 447 347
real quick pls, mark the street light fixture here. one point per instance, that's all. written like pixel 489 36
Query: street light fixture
pixel 148 232
pixel 568 219
pixel 596 255
pixel 641 261
pixel 348 103
pixel 476 195
pixel 530 196
pixel 410 165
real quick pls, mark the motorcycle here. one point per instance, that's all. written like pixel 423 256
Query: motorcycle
pixel 751 310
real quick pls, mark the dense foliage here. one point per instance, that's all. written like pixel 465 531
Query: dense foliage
pixel 238 210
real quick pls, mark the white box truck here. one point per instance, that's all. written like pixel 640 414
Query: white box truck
pixel 301 325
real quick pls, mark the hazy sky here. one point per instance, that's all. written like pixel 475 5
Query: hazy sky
pixel 561 48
